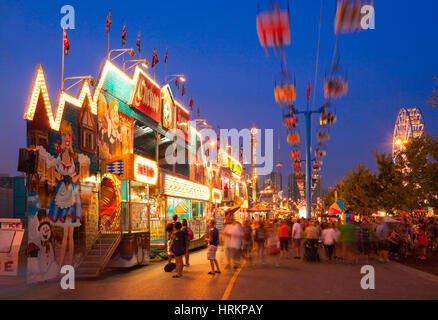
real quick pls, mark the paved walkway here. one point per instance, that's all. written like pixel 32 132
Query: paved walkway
pixel 293 279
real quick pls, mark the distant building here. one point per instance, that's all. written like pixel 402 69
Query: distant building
pixel 6 196
pixel 292 187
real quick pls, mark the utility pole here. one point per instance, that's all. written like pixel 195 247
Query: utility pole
pixel 253 162
pixel 308 146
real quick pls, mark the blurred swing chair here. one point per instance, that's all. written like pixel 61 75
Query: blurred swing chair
pixel 320 153
pixel 293 138
pixel 323 136
pixel 327 118
pixel 348 16
pixel 273 27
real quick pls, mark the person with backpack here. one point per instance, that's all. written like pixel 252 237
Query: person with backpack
pixel 189 234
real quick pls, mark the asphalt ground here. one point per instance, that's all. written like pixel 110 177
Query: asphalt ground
pixel 293 279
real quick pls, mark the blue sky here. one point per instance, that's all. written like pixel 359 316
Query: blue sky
pixel 215 44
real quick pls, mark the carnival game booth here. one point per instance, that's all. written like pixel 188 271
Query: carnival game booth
pixel 191 201
pixel 259 211
pixel 128 207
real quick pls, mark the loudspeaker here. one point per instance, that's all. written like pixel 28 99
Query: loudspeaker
pixel 28 161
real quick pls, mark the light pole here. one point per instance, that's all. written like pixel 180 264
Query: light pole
pixel 144 62
pixel 308 146
pixel 174 76
pixel 254 176
pixel 89 78
pixel 122 51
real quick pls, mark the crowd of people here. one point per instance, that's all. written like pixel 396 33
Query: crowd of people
pixel 312 240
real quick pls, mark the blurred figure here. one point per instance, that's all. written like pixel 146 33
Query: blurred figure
pixel 382 236
pixel 213 241
pixel 272 244
pixel 394 242
pixel 296 237
pixel 422 243
pixel 233 233
pixel 311 243
pixel 348 237
pixel 283 234
pixel 364 239
pixel 328 237
pixel 260 238
pixel 247 241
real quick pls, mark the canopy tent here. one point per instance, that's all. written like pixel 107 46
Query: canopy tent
pixel 337 207
pixel 259 206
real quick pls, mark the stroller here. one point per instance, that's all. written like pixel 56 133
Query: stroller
pixel 311 250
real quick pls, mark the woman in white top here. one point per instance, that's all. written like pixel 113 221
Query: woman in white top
pixel 328 237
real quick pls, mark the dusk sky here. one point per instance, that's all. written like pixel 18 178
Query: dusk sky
pixel 215 44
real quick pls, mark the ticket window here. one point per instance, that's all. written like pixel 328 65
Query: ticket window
pixel 139 207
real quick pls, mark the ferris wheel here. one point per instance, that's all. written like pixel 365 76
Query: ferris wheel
pixel 409 124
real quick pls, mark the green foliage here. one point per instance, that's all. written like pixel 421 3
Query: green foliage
pixel 433 99
pixel 408 183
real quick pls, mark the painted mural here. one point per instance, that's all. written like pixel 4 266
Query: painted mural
pixel 115 129
pixel 61 191
pixel 110 209
pixel 181 207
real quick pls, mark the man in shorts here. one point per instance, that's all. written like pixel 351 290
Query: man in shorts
pixel 283 234
pixel 213 240
pixel 296 236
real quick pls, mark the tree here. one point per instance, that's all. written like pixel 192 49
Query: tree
pixel 420 172
pixel 359 190
pixel 434 97
pixel 390 190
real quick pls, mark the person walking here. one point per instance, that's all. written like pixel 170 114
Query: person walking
pixel 178 246
pixel 234 234
pixel 296 236
pixel 422 243
pixel 260 238
pixel 311 243
pixel 272 244
pixel 364 239
pixel 382 238
pixel 213 241
pixel 348 238
pixel 283 234
pixel 247 241
pixel 328 236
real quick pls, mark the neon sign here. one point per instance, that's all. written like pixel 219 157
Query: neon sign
pixel 182 188
pixel 147 98
pixel 145 170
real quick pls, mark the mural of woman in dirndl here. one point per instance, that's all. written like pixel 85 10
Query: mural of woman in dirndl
pixel 65 210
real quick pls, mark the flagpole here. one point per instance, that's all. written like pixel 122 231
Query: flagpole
pixel 109 31
pixel 62 74
pixel 165 72
pixel 165 67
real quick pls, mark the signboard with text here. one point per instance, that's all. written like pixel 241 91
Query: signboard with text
pixel 182 121
pixel 147 98
pixel 168 107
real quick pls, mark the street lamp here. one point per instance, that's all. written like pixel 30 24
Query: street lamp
pixel 174 76
pixel 122 51
pixel 89 78
pixel 143 62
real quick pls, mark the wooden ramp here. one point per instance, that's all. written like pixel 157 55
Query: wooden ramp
pixel 98 257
